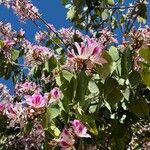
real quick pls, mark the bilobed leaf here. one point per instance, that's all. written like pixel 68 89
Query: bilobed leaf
pixel 88 121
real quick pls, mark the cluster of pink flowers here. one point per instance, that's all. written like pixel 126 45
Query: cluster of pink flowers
pixel 33 140
pixel 16 114
pixel 139 37
pixel 7 33
pixel 9 38
pixel 25 9
pixel 4 94
pixel 106 37
pixel 40 36
pixel 37 54
pixel 26 88
pixel 38 101
pixel 30 105
pixel 68 135
pixel 68 34
pixel 5 2
pixel 87 56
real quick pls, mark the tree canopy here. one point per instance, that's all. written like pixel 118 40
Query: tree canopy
pixel 86 87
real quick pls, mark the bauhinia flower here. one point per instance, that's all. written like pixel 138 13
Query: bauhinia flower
pixel 36 101
pixel 26 88
pixel 55 93
pixel 53 96
pixel 2 107
pixel 66 139
pixel 80 129
pixel 87 56
pixel 25 9
pixel 37 54
pixel 15 112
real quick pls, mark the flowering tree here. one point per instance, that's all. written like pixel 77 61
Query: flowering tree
pixel 86 87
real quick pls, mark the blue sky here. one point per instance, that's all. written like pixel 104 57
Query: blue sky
pixel 52 10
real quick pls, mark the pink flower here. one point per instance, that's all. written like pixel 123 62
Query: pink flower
pixel 66 139
pixel 36 101
pixel 40 36
pixel 2 107
pixel 55 93
pixel 9 43
pixel 79 129
pixel 88 54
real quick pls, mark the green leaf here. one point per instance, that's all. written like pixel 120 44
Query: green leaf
pixel 37 71
pixel 71 13
pixel 134 78
pixel 140 108
pixel 14 54
pixel 142 10
pixel 28 128
pixel 113 52
pixel 50 64
pixel 82 86
pixel 88 120
pixel 145 75
pixel 68 89
pixel 64 2
pixel 53 112
pixel 111 2
pixel 105 14
pixel 109 85
pixel 114 97
pixel 1 43
pixel 93 87
pixel 67 75
pixel 145 53
pixel 124 66
pixel 106 69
